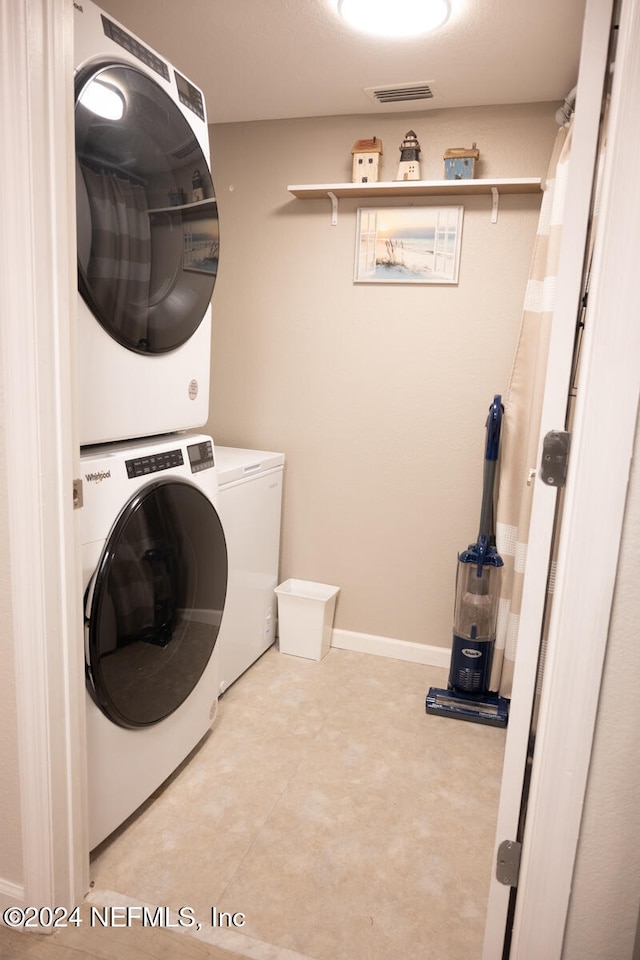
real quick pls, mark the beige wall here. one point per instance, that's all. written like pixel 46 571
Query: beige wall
pixel 377 394
pixel 606 889
pixel 10 823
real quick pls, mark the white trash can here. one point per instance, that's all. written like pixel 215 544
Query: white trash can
pixel 305 617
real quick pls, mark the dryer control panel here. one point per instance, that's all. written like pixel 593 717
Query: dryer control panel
pixel 189 95
pixel 133 45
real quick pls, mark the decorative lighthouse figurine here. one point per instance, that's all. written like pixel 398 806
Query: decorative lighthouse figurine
pixel 409 167
pixel 197 186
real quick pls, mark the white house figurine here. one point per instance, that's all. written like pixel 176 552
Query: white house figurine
pixel 409 167
pixel 366 160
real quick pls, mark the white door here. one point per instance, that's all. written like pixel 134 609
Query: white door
pixel 591 79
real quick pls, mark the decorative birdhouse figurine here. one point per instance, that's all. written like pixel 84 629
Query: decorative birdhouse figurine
pixel 459 162
pixel 409 167
pixel 366 160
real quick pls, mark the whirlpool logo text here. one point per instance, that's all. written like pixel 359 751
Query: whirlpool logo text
pixel 98 476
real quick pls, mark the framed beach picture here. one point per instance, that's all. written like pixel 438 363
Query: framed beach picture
pixel 201 242
pixel 408 244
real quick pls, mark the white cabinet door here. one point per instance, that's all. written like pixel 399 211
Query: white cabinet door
pixel 250 513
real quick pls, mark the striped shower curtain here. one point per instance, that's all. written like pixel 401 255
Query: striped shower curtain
pixel 522 412
pixel 119 268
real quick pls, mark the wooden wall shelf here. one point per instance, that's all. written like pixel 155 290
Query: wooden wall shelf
pixel 415 188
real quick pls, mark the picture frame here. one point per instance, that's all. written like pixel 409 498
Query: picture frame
pixel 200 246
pixel 417 244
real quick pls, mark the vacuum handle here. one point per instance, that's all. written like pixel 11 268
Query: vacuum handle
pixel 494 421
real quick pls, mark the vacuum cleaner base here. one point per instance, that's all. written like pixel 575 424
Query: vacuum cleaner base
pixel 488 708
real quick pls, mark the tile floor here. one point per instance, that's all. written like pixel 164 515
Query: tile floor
pixel 327 815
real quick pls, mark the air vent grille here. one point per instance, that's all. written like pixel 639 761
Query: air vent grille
pixel 185 150
pixel 401 93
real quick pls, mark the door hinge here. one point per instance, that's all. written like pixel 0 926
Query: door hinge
pixel 508 865
pixel 77 494
pixel 555 458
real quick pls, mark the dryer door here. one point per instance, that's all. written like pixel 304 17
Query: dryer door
pixel 156 603
pixel 147 220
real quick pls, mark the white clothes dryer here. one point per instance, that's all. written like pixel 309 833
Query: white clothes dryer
pixel 147 237
pixel 154 565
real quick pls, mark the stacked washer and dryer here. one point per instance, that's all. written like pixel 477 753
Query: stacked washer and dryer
pixel 154 552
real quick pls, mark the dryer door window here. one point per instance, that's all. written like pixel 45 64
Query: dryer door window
pixel 147 220
pixel 157 601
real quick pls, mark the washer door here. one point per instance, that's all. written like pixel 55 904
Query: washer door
pixel 147 220
pixel 157 602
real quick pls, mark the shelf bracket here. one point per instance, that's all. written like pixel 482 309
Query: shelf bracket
pixel 494 205
pixel 334 208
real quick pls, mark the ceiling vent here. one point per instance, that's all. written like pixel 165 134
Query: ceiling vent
pixel 403 95
pixel 187 148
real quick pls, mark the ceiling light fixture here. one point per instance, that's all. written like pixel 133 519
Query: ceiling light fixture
pixel 400 18
pixel 103 99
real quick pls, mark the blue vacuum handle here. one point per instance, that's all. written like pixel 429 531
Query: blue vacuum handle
pixel 494 421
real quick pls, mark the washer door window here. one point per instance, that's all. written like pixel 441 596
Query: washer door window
pixel 147 220
pixel 157 602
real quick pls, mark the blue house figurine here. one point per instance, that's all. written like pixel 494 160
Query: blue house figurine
pixel 459 162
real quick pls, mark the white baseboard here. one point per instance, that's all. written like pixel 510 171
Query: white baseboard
pixel 11 895
pixel 388 647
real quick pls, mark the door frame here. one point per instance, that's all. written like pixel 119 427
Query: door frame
pixel 41 437
pixel 38 367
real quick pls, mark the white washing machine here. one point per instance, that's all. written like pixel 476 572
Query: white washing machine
pixel 154 566
pixel 148 237
pixel 250 506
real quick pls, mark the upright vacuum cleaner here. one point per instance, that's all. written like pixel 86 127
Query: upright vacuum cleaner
pixel 478 576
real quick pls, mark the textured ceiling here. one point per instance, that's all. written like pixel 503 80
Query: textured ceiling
pixel 271 59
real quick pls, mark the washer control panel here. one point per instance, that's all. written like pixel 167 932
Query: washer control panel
pixel 200 456
pixel 154 463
